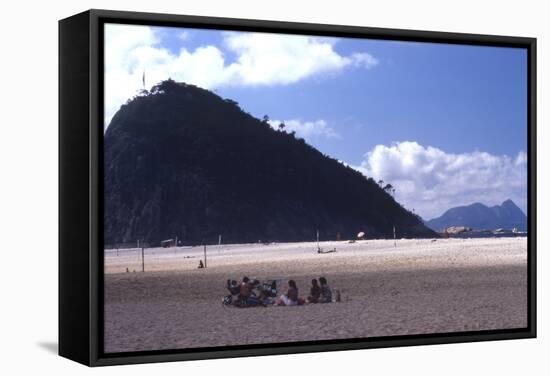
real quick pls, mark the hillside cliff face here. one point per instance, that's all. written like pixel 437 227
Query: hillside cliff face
pixel 181 161
pixel 481 217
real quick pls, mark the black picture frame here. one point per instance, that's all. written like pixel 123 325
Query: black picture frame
pixel 80 186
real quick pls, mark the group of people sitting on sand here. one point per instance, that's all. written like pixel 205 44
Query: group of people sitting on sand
pixel 319 292
pixel 250 293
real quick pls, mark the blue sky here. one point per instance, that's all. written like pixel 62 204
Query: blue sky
pixel 452 97
pixel 445 124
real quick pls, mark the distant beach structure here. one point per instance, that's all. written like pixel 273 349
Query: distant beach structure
pixel 167 243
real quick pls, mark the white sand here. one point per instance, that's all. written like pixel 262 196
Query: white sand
pixel 420 286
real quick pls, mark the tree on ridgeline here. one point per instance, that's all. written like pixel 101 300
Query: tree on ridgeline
pixel 389 188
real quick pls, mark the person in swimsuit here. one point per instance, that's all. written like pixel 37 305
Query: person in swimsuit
pixel 291 296
pixel 314 292
pixel 326 294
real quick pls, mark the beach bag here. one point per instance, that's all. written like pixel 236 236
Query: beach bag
pixel 227 300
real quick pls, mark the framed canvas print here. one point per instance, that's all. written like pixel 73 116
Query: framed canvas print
pixel 236 187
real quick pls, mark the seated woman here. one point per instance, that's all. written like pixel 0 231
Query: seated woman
pixel 315 292
pixel 291 296
pixel 326 294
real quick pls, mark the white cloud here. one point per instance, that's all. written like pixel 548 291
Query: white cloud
pixel 268 59
pixel 258 59
pixel 363 60
pixel 307 129
pixel 431 181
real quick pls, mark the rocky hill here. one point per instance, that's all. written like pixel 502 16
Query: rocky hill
pixel 181 161
pixel 481 217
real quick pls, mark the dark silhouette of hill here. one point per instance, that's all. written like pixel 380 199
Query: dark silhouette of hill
pixel 181 161
pixel 482 217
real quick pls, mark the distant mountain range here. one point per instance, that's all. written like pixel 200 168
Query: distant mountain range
pixel 482 217
pixel 180 161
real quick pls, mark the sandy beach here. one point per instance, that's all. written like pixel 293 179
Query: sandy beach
pixel 417 287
